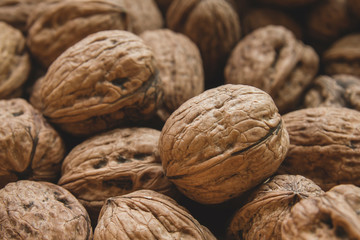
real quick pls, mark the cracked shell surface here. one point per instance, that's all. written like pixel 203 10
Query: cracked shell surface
pixel 29 147
pixel 41 210
pixel 223 142
pixel 107 80
pixel 146 214
pixel 268 206
pixel 334 215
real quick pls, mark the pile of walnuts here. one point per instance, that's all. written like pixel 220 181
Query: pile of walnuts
pixel 179 119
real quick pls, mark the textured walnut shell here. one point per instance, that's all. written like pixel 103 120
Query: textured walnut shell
pixel 269 205
pixel 15 62
pixel 29 147
pixel 106 80
pixel 61 24
pixel 146 214
pixel 287 3
pixel 180 68
pixel 114 163
pixel 334 215
pixel 343 57
pixel 223 142
pixel 334 91
pixel 272 59
pixel 41 210
pixel 324 145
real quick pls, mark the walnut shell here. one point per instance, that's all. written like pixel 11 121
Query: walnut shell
pixel 15 62
pixel 269 205
pixel 324 145
pixel 106 80
pixel 334 215
pixel 30 147
pixel 146 214
pixel 272 59
pixel 223 142
pixel 180 68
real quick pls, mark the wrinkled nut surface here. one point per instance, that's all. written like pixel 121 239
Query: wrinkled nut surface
pixel 269 205
pixel 180 68
pixel 343 57
pixel 146 214
pixel 106 80
pixel 29 147
pixel 223 142
pixel 15 62
pixel 334 215
pixel 114 163
pixel 324 145
pixel 272 59
pixel 41 210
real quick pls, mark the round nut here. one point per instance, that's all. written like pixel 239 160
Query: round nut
pixel 223 142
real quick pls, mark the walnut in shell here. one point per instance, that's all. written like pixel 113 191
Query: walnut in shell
pixel 41 210
pixel 15 62
pixel 324 145
pixel 180 68
pixel 272 59
pixel 146 214
pixel 334 215
pixel 29 147
pixel 268 205
pixel 222 143
pixel 108 79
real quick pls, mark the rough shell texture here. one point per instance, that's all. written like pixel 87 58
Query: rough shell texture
pixel 334 215
pixel 41 210
pixel 180 68
pixel 29 147
pixel 213 25
pixel 343 57
pixel 334 91
pixel 288 3
pixel 324 145
pixel 146 214
pixel 15 62
pixel 114 163
pixel 223 142
pixel 269 205
pixel 106 80
pixel 59 25
pixel 272 59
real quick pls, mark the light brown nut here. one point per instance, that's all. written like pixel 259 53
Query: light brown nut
pixel 180 68
pixel 15 62
pixel 324 145
pixel 272 59
pixel 222 143
pixel 146 214
pixel 334 215
pixel 41 210
pixel 29 147
pixel 288 3
pixel 106 80
pixel 343 57
pixel 268 206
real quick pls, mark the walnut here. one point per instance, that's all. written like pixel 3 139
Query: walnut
pixel 268 205
pixel 41 210
pixel 114 163
pixel 106 80
pixel 288 3
pixel 15 62
pixel 334 215
pixel 146 214
pixel 272 59
pixel 213 25
pixel 343 57
pixel 30 147
pixel 223 142
pixel 180 68
pixel 324 145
